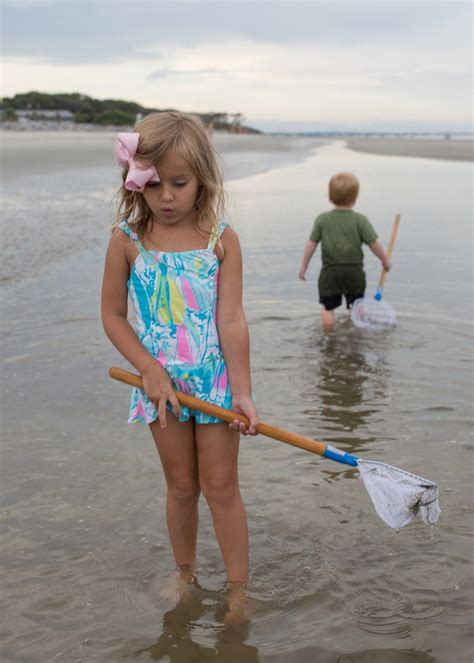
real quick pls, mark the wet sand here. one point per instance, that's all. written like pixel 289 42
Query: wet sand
pixel 40 152
pixel 60 187
pixel 452 150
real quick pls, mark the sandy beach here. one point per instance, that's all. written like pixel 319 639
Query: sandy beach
pixel 453 150
pixel 34 152
pixel 37 152
pixel 64 183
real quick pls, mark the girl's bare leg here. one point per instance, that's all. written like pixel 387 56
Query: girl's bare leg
pixel 327 318
pixel 217 448
pixel 177 449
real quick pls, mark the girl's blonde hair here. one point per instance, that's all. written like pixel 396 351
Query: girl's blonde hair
pixel 343 189
pixel 179 133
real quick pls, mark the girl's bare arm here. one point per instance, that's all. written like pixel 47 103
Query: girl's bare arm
pixel 157 384
pixel 233 330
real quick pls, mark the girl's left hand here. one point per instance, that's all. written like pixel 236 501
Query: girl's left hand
pixel 245 405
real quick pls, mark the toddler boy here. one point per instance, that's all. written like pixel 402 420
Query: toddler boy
pixel 341 233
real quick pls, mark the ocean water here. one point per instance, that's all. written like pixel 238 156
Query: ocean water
pixel 85 548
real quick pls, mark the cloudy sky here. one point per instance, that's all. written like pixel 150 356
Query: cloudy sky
pixel 283 65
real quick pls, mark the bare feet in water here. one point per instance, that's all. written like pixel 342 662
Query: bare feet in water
pixel 238 599
pixel 178 586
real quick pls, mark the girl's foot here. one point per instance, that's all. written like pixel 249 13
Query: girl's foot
pixel 238 600
pixel 178 586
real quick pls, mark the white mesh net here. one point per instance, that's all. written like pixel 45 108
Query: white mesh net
pixel 370 313
pixel 398 495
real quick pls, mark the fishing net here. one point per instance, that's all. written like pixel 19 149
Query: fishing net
pixel 367 313
pixel 398 495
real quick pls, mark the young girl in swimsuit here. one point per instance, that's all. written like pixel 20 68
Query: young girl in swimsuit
pixel 181 266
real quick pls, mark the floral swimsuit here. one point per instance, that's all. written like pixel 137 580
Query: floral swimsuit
pixel 174 295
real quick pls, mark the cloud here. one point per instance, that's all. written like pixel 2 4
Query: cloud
pixel 301 62
pixel 169 73
pixel 115 30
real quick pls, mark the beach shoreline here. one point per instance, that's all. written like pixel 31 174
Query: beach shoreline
pixel 32 152
pixel 60 187
pixel 427 148
pixel 35 152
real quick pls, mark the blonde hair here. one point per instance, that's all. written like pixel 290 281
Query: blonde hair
pixel 162 134
pixel 343 189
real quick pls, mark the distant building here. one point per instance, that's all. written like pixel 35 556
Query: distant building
pixel 39 114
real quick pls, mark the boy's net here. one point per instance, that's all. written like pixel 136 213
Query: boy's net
pixel 369 313
pixel 398 495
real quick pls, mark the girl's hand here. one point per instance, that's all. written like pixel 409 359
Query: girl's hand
pixel 159 389
pixel 387 264
pixel 245 405
pixel 302 274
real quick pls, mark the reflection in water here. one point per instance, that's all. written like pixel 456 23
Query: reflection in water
pixel 348 382
pixel 193 621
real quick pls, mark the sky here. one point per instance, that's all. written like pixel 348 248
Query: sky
pixel 286 66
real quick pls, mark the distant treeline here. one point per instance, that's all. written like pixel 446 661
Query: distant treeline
pixel 84 109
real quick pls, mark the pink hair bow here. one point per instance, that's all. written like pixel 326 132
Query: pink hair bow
pixel 138 175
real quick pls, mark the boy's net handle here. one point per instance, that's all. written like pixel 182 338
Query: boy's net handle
pixel 194 403
pixel 389 250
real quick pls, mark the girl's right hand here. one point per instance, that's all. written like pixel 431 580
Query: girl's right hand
pixel 245 405
pixel 159 389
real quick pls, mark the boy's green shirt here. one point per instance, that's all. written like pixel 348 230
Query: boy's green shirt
pixel 342 233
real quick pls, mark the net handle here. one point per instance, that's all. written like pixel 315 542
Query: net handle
pixel 396 223
pixel 194 403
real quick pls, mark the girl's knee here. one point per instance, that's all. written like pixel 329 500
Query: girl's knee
pixel 184 490
pixel 220 490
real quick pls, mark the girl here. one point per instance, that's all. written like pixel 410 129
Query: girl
pixel 181 266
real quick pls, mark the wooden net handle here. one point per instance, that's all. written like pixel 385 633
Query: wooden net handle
pixel 396 223
pixel 194 403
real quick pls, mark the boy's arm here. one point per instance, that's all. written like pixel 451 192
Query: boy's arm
pixel 309 249
pixel 233 331
pixel 378 250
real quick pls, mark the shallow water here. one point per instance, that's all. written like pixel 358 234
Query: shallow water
pixel 86 550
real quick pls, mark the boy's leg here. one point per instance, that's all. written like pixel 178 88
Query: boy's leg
pixel 327 317
pixel 218 449
pixel 329 304
pixel 351 298
pixel 354 285
pixel 327 286
pixel 176 446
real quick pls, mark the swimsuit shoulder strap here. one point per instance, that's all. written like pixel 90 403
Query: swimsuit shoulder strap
pixel 216 232
pixel 125 227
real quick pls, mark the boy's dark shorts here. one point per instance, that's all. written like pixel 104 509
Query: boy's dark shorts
pixel 338 280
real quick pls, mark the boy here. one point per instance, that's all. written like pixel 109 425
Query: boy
pixel 341 233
